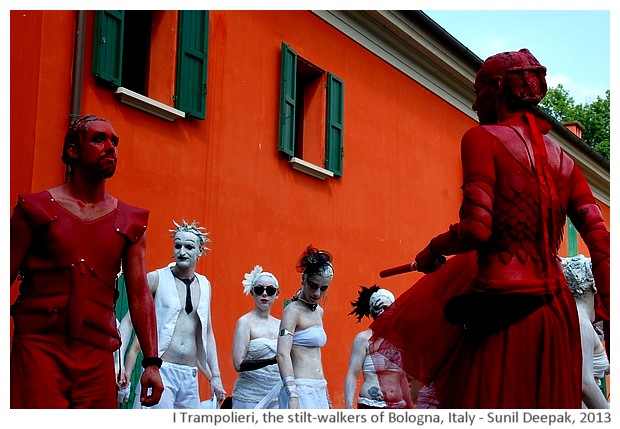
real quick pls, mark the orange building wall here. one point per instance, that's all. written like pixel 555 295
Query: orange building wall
pixel 401 167
pixel 370 219
pixel 606 211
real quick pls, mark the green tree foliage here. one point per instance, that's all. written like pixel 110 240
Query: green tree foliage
pixel 594 116
pixel 595 119
pixel 559 104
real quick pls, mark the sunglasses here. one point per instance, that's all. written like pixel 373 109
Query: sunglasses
pixel 271 290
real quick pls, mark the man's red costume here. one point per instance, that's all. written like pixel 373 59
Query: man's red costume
pixel 496 326
pixel 68 290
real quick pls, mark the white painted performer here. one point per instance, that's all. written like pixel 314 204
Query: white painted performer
pixel 186 342
pixel 255 342
pixel 371 302
pixel 301 337
pixel 595 365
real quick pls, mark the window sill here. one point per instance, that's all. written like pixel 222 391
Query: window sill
pixel 148 105
pixel 310 169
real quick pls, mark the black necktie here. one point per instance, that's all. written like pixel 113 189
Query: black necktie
pixel 188 294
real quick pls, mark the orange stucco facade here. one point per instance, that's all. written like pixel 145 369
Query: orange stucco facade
pixel 400 184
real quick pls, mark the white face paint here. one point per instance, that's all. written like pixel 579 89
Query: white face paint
pixel 186 249
pixel 265 285
pixel 313 287
pixel 380 304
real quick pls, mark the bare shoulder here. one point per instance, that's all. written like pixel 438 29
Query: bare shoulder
pixel 364 335
pixel 361 339
pixel 243 323
pixel 245 320
pixel 292 306
pixel 360 342
pixel 291 311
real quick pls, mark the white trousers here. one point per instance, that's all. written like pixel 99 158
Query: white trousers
pixel 180 387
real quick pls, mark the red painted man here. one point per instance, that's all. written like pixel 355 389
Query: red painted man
pixel 504 331
pixel 67 245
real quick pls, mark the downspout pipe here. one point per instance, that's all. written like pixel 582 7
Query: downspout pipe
pixel 77 75
pixel 78 66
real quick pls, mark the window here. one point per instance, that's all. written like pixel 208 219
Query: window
pixel 311 116
pixel 136 50
pixel 129 53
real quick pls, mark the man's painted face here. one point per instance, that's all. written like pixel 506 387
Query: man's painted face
pixel 186 249
pixel 99 149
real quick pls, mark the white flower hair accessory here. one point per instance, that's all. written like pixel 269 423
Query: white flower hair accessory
pixel 250 278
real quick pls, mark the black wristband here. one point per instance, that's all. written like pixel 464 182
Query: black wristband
pixel 150 361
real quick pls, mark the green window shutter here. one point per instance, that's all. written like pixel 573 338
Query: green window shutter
pixel 122 303
pixel 334 150
pixel 288 95
pixel 108 45
pixel 572 239
pixel 122 307
pixel 191 85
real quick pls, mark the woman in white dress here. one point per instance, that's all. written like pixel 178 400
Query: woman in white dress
pixel 255 343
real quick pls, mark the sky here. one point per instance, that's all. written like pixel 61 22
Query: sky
pixel 574 45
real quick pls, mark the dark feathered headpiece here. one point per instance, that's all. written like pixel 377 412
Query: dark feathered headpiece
pixel 314 261
pixel 361 306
